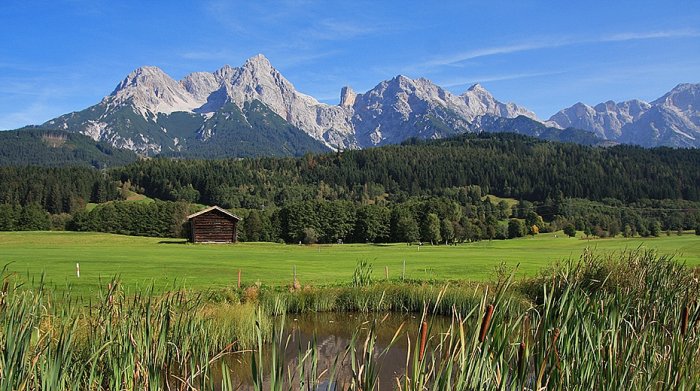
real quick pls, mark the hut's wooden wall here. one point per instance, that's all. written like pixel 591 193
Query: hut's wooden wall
pixel 213 226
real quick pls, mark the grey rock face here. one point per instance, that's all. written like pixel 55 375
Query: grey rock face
pixel 400 108
pixel 141 112
pixel 347 97
pixel 389 113
pixel 672 120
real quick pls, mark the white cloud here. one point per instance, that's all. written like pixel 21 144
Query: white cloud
pixel 550 43
pixel 650 35
pixel 450 83
pixel 333 30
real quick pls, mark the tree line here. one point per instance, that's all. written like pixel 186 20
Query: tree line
pixel 430 220
pixel 502 164
pixel 431 191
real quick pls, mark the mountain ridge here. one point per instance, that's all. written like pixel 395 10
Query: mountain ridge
pixel 151 113
pixel 671 120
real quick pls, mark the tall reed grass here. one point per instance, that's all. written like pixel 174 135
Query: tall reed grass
pixel 628 322
pixel 118 342
pixel 623 323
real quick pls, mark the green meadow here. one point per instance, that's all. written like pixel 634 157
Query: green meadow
pixel 170 263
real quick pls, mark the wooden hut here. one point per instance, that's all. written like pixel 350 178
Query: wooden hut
pixel 213 225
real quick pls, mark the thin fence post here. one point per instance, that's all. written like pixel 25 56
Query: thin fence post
pixel 294 269
pixel 403 273
pixel 239 278
pixel 77 269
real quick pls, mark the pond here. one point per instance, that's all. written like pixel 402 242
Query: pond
pixel 333 332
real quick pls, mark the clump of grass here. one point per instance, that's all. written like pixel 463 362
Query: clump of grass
pixel 363 274
pixel 240 320
pixel 379 297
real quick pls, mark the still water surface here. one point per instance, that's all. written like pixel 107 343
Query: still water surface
pixel 333 332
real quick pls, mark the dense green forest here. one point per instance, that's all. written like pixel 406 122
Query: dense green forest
pixel 54 148
pixel 56 190
pixel 431 191
pixel 506 165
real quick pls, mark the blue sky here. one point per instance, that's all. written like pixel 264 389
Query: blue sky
pixel 62 56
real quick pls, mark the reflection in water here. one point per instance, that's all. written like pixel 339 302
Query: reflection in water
pixel 333 332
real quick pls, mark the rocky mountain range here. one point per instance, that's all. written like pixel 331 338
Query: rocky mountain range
pixel 254 110
pixel 672 120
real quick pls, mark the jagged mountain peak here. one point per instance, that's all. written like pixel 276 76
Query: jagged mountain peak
pixel 402 107
pixel 421 86
pixel 483 102
pixel 257 64
pixel 582 106
pixel 480 93
pixel 672 119
pixel 259 59
pixel 686 87
pixel 402 78
pixel 149 90
pixel 226 72
pixel 398 82
pixel 476 87
pixel 146 70
pixel 259 79
pixel 685 96
pixel 145 75
pixel 607 105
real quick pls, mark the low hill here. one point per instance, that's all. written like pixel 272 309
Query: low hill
pixel 53 148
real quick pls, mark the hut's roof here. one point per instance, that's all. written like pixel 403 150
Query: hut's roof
pixel 207 210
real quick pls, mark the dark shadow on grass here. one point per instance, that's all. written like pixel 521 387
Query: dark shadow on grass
pixel 183 241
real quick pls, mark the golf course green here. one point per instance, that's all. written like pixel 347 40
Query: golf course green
pixel 172 263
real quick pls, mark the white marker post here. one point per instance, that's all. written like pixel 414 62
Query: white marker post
pixel 77 269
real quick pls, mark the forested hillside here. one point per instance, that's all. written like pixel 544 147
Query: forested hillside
pixel 433 191
pixel 53 148
pixel 56 190
pixel 506 165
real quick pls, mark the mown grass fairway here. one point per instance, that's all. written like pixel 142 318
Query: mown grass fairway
pixel 169 263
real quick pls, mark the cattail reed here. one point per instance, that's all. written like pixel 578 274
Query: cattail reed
pixel 684 320
pixel 110 294
pixel 556 336
pixel 521 357
pixel 423 340
pixel 485 323
pixel 526 327
pixel 3 294
pixel 554 345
